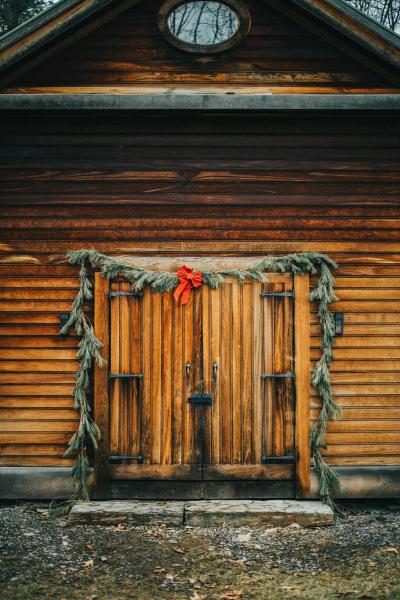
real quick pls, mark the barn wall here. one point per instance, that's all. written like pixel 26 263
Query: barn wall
pixel 130 51
pixel 206 185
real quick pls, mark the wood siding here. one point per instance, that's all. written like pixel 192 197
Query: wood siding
pixel 279 53
pixel 203 185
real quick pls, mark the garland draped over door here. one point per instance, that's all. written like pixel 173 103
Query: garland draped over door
pixel 88 434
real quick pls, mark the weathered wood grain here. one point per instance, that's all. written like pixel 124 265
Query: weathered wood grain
pixel 129 50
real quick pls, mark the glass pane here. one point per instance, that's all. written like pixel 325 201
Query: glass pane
pixel 203 23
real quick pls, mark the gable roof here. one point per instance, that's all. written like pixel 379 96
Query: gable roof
pixel 70 20
pixel 60 26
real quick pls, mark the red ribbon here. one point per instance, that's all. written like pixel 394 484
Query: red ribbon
pixel 187 281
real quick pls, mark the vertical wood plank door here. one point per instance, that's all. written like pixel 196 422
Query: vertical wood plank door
pixel 203 392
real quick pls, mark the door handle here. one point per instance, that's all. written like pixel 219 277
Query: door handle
pixel 188 367
pixel 215 371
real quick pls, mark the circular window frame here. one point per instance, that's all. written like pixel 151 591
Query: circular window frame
pixel 237 6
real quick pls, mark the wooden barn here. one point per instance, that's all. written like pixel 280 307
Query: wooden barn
pixel 211 134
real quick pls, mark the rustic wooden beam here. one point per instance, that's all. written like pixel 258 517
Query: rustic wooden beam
pixel 201 102
pixel 101 388
pixel 302 370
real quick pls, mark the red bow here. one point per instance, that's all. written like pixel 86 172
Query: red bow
pixel 187 281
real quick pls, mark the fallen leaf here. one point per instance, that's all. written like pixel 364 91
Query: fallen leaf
pixel 391 550
pixel 179 550
pixel 156 534
pixel 119 527
pixel 88 564
pixel 170 576
pixel 89 547
pixel 159 570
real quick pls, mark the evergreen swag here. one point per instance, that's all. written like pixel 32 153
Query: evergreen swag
pixel 88 433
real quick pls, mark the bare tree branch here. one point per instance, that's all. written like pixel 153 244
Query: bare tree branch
pixel 15 12
pixel 386 12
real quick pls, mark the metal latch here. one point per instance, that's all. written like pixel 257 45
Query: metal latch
pixel 114 294
pixel 278 460
pixel 277 294
pixel 137 457
pixel 126 376
pixel 200 399
pixel 289 375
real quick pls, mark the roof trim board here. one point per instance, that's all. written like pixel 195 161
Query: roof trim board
pixel 215 102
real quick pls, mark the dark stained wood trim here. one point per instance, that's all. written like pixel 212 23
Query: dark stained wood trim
pixel 101 388
pixel 199 490
pixel 201 102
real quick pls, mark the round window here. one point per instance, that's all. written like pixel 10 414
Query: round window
pixel 204 27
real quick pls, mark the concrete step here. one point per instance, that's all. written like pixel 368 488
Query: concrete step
pixel 204 513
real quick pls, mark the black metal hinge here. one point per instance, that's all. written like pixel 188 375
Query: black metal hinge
pixel 114 294
pixel 137 457
pixel 289 375
pixel 278 460
pixel 126 376
pixel 277 294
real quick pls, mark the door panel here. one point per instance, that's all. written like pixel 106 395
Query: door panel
pixel 149 416
pixel 248 335
pixel 221 343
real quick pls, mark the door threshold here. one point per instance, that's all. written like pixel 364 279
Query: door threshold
pixel 245 489
pixel 204 513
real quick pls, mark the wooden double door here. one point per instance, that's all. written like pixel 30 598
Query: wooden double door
pixel 202 396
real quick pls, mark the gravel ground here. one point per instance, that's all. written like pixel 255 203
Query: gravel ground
pixel 47 558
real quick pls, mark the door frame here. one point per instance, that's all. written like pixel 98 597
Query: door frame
pixel 101 478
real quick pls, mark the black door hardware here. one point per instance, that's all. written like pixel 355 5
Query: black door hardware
pixel 137 294
pixel 288 375
pixel 277 294
pixel 278 460
pixel 339 323
pixel 201 399
pixel 137 457
pixel 126 376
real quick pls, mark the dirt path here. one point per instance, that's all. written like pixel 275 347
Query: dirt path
pixel 48 559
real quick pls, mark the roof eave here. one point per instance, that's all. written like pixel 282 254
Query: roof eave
pixel 201 102
pixel 356 26
pixel 57 23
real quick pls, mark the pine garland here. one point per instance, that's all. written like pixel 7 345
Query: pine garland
pixel 161 281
